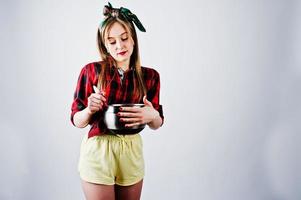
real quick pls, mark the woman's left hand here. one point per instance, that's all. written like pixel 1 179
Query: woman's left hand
pixel 134 116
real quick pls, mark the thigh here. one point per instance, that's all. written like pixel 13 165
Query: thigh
pixel 131 192
pixel 96 161
pixel 130 161
pixel 97 191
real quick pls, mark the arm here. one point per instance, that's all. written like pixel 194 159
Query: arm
pixel 153 96
pixel 85 102
pixel 156 120
pixel 82 118
pixel 152 113
pixel 156 123
pixel 145 115
pixel 96 102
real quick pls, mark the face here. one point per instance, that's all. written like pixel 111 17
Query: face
pixel 119 43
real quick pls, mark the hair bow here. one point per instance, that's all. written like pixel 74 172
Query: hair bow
pixel 109 11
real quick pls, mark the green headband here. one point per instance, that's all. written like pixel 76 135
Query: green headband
pixel 109 11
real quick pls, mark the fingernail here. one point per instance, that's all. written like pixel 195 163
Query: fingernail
pixel 120 108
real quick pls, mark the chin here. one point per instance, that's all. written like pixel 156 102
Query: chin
pixel 122 59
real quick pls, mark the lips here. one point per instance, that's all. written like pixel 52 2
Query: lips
pixel 122 53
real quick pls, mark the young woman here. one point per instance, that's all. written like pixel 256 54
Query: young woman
pixel 111 166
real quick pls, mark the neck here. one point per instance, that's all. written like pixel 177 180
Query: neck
pixel 123 65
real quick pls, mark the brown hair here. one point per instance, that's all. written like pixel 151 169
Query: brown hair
pixel 139 87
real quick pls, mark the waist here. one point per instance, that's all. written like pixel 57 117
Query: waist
pixel 98 129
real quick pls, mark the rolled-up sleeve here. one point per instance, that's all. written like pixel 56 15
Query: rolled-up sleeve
pixel 153 94
pixel 82 91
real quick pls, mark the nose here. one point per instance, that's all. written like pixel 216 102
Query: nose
pixel 119 44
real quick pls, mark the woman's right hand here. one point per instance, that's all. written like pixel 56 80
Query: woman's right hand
pixel 96 101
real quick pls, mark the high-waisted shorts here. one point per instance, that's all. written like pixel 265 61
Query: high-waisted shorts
pixel 111 159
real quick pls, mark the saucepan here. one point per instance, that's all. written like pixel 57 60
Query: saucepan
pixel 113 123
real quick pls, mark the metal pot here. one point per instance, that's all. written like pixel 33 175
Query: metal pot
pixel 114 125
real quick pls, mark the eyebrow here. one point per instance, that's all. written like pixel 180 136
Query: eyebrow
pixel 119 35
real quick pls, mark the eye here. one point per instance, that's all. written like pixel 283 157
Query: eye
pixel 124 39
pixel 113 42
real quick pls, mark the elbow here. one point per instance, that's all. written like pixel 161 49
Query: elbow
pixel 79 125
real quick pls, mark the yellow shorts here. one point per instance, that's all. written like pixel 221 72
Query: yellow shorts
pixel 112 159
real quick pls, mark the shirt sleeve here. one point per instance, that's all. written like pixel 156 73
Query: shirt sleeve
pixel 153 95
pixel 81 94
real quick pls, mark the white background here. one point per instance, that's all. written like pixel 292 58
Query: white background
pixel 230 89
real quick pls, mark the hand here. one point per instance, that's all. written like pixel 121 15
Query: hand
pixel 134 116
pixel 96 101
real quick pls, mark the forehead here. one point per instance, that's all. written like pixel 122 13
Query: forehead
pixel 116 30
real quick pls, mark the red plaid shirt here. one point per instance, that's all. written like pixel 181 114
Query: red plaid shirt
pixel 118 91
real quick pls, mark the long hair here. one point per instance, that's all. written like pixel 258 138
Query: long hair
pixel 102 32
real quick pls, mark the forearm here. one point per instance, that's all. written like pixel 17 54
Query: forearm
pixel 156 122
pixel 81 119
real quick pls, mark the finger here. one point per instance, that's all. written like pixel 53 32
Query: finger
pixel 147 102
pixel 99 104
pixel 102 98
pixel 94 105
pixel 130 109
pixel 94 95
pixel 96 101
pixel 128 114
pixel 94 109
pixel 103 93
pixel 135 120
pixel 132 124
